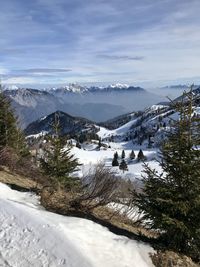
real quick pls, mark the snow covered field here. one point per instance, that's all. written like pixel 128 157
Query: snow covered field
pixel 33 237
pixel 89 156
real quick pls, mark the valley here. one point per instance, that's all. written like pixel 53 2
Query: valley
pixel 94 103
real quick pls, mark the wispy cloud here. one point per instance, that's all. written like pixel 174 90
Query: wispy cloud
pixel 122 57
pixel 152 39
pixel 45 70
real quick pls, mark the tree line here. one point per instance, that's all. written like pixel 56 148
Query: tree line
pixel 123 164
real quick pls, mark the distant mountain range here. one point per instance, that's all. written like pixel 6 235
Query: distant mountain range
pixel 144 127
pixel 76 88
pixel 94 103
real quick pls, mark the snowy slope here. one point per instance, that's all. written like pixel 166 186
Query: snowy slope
pixel 152 124
pixel 104 133
pixel 33 237
pixel 88 158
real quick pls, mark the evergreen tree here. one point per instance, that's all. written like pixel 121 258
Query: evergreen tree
pixel 140 155
pixel 123 166
pixel 170 201
pixel 10 135
pixel 132 155
pixel 58 162
pixel 99 144
pixel 78 145
pixel 116 155
pixel 8 127
pixel 115 160
pixel 123 154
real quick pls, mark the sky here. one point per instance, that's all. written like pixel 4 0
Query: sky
pixel 149 42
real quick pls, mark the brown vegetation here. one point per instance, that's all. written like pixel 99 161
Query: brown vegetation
pixel 19 181
pixel 171 259
pixel 21 166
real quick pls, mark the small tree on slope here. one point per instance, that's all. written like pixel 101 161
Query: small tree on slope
pixel 132 155
pixel 123 154
pixel 140 156
pixel 123 166
pixel 170 202
pixel 58 162
pixel 115 160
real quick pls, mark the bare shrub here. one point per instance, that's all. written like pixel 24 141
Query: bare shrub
pixel 28 168
pixel 8 157
pixel 20 165
pixel 99 187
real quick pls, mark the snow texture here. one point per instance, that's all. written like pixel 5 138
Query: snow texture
pixel 33 237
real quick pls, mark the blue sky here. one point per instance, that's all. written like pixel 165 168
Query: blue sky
pixel 135 41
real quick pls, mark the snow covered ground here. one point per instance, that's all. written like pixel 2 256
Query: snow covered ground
pixel 33 237
pixel 88 157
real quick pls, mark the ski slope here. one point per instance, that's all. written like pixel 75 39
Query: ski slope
pixel 33 237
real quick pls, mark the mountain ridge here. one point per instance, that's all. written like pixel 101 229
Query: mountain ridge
pixel 96 104
pixel 69 124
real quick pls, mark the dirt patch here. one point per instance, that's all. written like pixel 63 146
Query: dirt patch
pixel 18 182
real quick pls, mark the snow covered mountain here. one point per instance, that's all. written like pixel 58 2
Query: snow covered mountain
pixel 148 127
pixel 94 103
pixel 31 104
pixel 78 89
pixel 71 88
pixel 27 96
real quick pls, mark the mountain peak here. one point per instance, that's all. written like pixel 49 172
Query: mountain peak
pixel 119 85
pixel 70 88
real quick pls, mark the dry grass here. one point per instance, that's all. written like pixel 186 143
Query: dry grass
pixel 122 221
pixel 56 201
pixel 11 178
pixel 171 259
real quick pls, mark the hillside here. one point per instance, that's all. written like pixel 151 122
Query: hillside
pixel 68 124
pixel 148 127
pixel 31 104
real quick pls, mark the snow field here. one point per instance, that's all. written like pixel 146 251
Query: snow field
pixel 33 237
pixel 89 158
